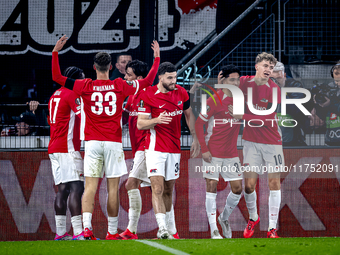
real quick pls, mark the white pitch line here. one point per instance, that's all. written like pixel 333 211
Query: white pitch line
pixel 162 247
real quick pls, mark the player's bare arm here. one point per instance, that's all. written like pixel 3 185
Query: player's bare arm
pixel 195 87
pixel 144 123
pixel 190 119
pixel 60 44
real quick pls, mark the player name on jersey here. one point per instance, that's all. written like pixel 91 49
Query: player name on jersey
pixel 104 88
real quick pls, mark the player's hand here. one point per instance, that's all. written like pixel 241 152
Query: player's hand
pixel 156 50
pixel 207 157
pixel 220 78
pixel 163 119
pixel 60 43
pixel 231 112
pixel 33 106
pixel 195 87
pixel 195 148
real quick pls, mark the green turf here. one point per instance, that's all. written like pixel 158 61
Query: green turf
pixel 324 245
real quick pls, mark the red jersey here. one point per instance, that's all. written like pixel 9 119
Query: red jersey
pixel 63 107
pixel 164 137
pixel 221 137
pixel 102 102
pixel 270 132
pixel 137 137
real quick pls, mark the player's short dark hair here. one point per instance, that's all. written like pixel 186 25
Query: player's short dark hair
pixel 121 54
pixel 228 69
pixel 73 72
pixel 139 68
pixel 166 67
pixel 102 61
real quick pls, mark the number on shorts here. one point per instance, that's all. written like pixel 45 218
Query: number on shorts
pixel 237 168
pixel 110 97
pixel 278 159
pixel 176 168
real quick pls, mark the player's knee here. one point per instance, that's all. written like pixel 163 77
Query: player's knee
pixel 63 191
pixel 158 190
pixel 249 189
pixel 127 185
pixel 131 184
pixel 274 184
pixel 237 189
pixel 211 186
pixel 77 188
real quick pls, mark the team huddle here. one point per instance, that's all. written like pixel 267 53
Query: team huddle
pixel 91 110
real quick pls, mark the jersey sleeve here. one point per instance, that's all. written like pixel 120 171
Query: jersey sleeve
pixel 79 86
pixel 148 80
pixel 210 110
pixel 56 74
pixel 185 96
pixel 127 107
pixel 138 85
pixel 199 128
pixel 203 120
pixel 242 86
pixel 144 105
pixel 74 102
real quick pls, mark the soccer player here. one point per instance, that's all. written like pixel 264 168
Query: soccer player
pixel 64 153
pixel 219 151
pixel 262 146
pixel 102 101
pixel 136 70
pixel 160 110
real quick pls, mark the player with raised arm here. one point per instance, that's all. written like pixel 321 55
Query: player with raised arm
pixel 64 153
pixel 219 151
pixel 262 146
pixel 102 101
pixel 160 110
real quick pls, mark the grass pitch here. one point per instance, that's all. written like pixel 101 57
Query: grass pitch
pixel 323 245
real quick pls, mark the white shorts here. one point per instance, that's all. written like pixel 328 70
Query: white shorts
pixel 261 158
pixel 139 170
pixel 67 167
pixel 229 168
pixel 163 164
pixel 103 156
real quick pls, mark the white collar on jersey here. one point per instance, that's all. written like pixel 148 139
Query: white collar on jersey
pixel 224 96
pixel 264 84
